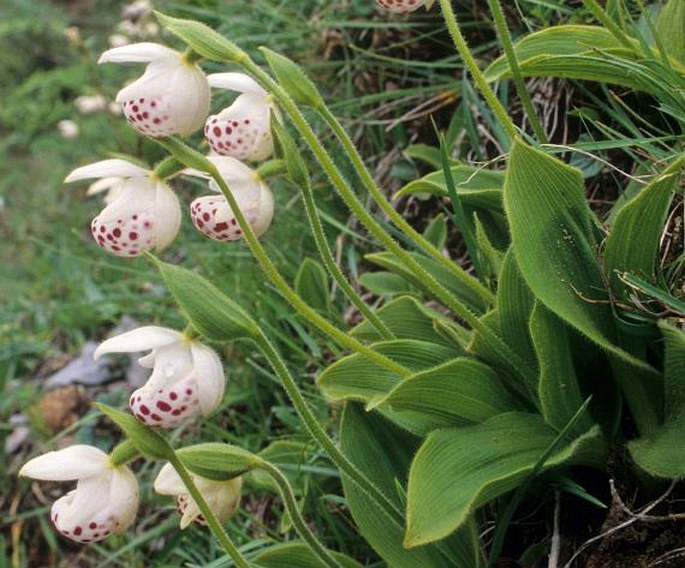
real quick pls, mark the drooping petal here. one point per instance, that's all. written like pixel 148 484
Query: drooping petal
pixel 137 53
pixel 74 462
pixel 103 184
pixel 239 82
pixel 107 168
pixel 209 373
pixel 168 481
pixel 123 497
pixel 189 511
pixel 167 215
pixel 140 339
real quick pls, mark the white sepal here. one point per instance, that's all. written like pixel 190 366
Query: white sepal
pixel 107 169
pixel 206 364
pixel 137 53
pixel 239 82
pixel 73 462
pixel 140 339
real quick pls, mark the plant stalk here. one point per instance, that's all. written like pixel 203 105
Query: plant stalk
pixel 505 38
pixel 318 433
pixel 208 514
pixel 463 49
pixel 300 525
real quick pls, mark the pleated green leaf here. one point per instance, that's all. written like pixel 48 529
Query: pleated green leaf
pixel 459 288
pixel 633 245
pixel 514 306
pixel 296 555
pixel 583 52
pixel 457 470
pixel 462 391
pixel 663 453
pixel 407 318
pixel 292 78
pixel 384 283
pixel 558 388
pixel 671 29
pixel 147 440
pixel 436 232
pixel 475 187
pixel 552 237
pixel 355 377
pixel 383 452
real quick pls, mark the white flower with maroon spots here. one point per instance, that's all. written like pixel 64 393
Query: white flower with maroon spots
pixel 105 500
pixel 221 496
pixel 404 6
pixel 187 377
pixel 213 216
pixel 141 214
pixel 171 97
pixel 242 130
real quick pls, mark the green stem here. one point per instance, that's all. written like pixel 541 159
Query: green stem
pixel 463 49
pixel 332 265
pixel 394 216
pixel 506 356
pixel 301 527
pixel 290 295
pixel 208 514
pixel 317 431
pixel 505 38
pixel 608 23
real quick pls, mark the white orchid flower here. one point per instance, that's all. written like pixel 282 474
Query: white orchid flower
pixel 171 97
pixel 105 500
pixel 213 216
pixel 142 213
pixel 221 496
pixel 187 377
pixel 242 130
pixel 404 6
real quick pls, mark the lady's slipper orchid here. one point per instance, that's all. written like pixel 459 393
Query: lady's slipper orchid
pixel 404 6
pixel 105 500
pixel 242 130
pixel 187 377
pixel 221 496
pixel 213 216
pixel 171 97
pixel 142 213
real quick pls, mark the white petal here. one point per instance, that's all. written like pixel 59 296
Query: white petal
pixel 137 53
pixel 189 101
pixel 123 497
pixel 168 482
pixel 266 212
pixel 190 513
pixel 235 82
pixel 209 373
pixel 233 170
pixel 74 462
pixel 107 168
pixel 141 339
pixel 89 499
pixel 167 216
pixel 103 184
